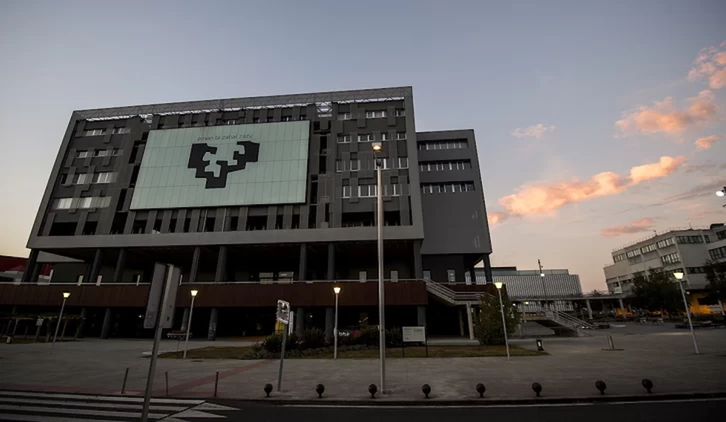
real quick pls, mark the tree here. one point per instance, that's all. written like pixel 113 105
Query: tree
pixel 489 330
pixel 716 276
pixel 656 291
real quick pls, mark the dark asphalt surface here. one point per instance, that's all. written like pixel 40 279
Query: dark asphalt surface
pixel 657 411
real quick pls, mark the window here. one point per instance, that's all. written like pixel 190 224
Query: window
pixel 94 132
pixel 400 136
pixel 346 191
pixel 106 177
pixel 400 112
pixel 385 163
pixel 696 270
pixel 447 187
pixel 394 190
pixel 619 257
pixel 428 146
pixel 255 120
pixel 671 258
pixel 303 117
pixel 63 203
pixel 633 253
pixel 706 238
pixel 427 274
pixel 354 165
pixel 384 136
pixel 665 242
pixel 376 114
pixel 230 122
pixel 339 166
pixel 367 191
pixel 689 239
pixel 451 276
pixel 120 130
pixel 403 162
pixel 85 202
pixel 366 137
pixel 101 153
pixel 718 253
pixel 648 248
pixel 343 139
pixel 721 235
pixel 82 154
pixel 286 118
pixel 115 152
pixel 344 116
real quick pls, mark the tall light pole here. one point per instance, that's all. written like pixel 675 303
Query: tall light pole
pixel 336 289
pixel 189 323
pixel 499 285
pixel 541 276
pixel 57 326
pixel 377 146
pixel 679 276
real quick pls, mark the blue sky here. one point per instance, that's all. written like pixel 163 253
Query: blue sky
pixel 577 66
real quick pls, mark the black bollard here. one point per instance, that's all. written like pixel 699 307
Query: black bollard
pixel 647 384
pixel 537 388
pixel 372 389
pixel 480 389
pixel 600 385
pixel 426 390
pixel 320 389
pixel 268 389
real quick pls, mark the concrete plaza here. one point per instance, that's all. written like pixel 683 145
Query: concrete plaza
pixel 661 353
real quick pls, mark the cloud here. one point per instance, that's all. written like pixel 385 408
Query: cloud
pixel 664 117
pixel 710 64
pixel 496 217
pixel 707 142
pixel 536 131
pixel 543 197
pixel 638 226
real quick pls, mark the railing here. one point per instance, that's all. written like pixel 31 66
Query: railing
pixel 451 296
pixel 567 320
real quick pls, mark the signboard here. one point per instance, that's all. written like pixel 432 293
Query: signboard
pixel 715 309
pixel 39 322
pixel 170 276
pixel 228 165
pixel 283 311
pixel 414 334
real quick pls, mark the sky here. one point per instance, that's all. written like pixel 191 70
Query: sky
pixel 596 122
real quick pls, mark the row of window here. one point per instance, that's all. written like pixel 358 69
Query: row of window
pixel 386 163
pixel 428 146
pixel 689 239
pixel 445 165
pixel 671 258
pixel 83 178
pixel 633 253
pixel 372 114
pixel 371 191
pixel 721 235
pixel 665 242
pixel 648 248
pixel 718 253
pixel 99 153
pixel 447 187
pixel 369 137
pixel 87 202
pixel 619 257
pixel 696 270
pixel 101 132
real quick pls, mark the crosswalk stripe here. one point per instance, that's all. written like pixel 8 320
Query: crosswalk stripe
pixel 97 397
pixel 87 412
pixel 40 418
pixel 95 405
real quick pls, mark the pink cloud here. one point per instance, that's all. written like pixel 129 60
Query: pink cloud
pixel 711 64
pixel 707 142
pixel 543 197
pixel 664 117
pixel 535 131
pixel 496 217
pixel 638 226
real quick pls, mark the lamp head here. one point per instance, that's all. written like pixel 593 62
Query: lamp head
pixel 541 274
pixel 336 289
pixel 377 146
pixel 721 192
pixel 498 284
pixel 66 295
pixel 194 293
pixel 678 275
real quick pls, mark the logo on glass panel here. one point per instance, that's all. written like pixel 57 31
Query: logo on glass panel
pixel 202 155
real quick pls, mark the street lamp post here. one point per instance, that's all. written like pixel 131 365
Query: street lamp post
pixel 57 326
pixel 499 285
pixel 336 289
pixel 377 146
pixel 189 323
pixel 544 289
pixel 679 276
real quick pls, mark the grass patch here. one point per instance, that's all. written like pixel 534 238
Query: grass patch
pixel 247 352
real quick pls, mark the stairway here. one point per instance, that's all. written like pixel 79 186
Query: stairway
pixel 453 297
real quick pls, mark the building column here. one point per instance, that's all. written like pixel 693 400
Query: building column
pixel 195 264
pixel 95 266
pixel 329 323
pixel 106 327
pixel 488 270
pixel 30 267
pixel 622 307
pixel 185 320
pixel 299 321
pixel 212 331
pixel 302 269
pixel 221 273
pixel 120 263
pixel 472 275
pixel 81 324
pixel 331 262
pixel 417 265
pixel 589 309
pixel 461 322
pixel 470 320
pixel 421 316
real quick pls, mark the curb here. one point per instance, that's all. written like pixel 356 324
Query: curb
pixel 482 402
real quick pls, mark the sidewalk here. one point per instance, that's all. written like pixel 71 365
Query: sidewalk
pixel 662 354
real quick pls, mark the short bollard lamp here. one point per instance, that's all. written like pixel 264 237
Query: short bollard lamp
pixel 540 347
pixel 320 389
pixel 268 389
pixel 426 390
pixel 600 385
pixel 480 389
pixel 647 384
pixel 537 388
pixel 373 390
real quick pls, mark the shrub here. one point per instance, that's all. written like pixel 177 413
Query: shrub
pixel 394 337
pixel 368 335
pixel 273 343
pixel 488 329
pixel 312 339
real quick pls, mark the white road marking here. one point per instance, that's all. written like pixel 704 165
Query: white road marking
pixel 214 407
pixel 196 414
pixel 95 404
pixel 39 418
pixel 97 397
pixel 87 412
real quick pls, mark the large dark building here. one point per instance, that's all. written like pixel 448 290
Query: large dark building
pixel 259 199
